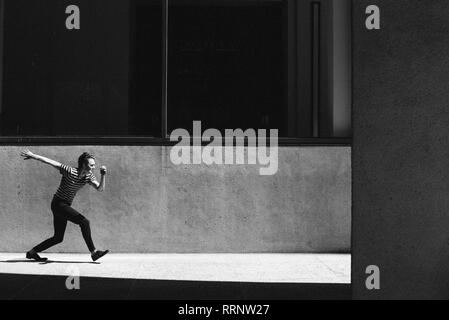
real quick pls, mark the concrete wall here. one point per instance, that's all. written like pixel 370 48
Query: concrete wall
pixel 400 149
pixel 150 205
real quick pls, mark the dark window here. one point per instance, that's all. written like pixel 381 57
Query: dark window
pixel 226 65
pixel 147 70
pixel 60 82
pixel 146 67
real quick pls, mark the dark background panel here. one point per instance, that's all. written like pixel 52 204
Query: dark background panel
pixel 231 64
pixel 72 81
pixel 146 68
pixel 401 149
pixel 226 66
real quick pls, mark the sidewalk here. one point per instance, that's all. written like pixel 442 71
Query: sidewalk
pixel 290 268
pixel 175 276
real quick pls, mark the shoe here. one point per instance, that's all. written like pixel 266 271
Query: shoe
pixel 35 256
pixel 98 254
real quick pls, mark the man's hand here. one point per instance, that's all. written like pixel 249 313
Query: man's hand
pixel 27 154
pixel 100 186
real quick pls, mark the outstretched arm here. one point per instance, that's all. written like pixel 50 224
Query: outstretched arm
pixel 27 154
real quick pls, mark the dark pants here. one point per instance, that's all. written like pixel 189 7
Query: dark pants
pixel 63 212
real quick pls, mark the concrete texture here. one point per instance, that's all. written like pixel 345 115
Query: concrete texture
pixel 400 150
pixel 278 268
pixel 151 205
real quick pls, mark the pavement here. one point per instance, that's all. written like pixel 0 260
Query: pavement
pixel 176 276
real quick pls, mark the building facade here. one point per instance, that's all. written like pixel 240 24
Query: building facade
pixel 133 72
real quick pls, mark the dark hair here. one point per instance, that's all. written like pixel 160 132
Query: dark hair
pixel 83 159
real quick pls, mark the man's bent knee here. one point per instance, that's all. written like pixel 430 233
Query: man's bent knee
pixel 84 222
pixel 58 239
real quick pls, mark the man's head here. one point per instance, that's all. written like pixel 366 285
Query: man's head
pixel 86 162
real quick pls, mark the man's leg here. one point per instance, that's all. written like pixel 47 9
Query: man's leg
pixel 59 225
pixel 85 230
pixel 74 216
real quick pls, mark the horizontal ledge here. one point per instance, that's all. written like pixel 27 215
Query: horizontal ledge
pixel 151 141
pixel 191 3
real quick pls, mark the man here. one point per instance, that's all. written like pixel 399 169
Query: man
pixel 72 180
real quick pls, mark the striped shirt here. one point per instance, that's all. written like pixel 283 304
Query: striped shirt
pixel 71 183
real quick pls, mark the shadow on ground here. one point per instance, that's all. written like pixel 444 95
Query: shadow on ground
pixel 18 286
